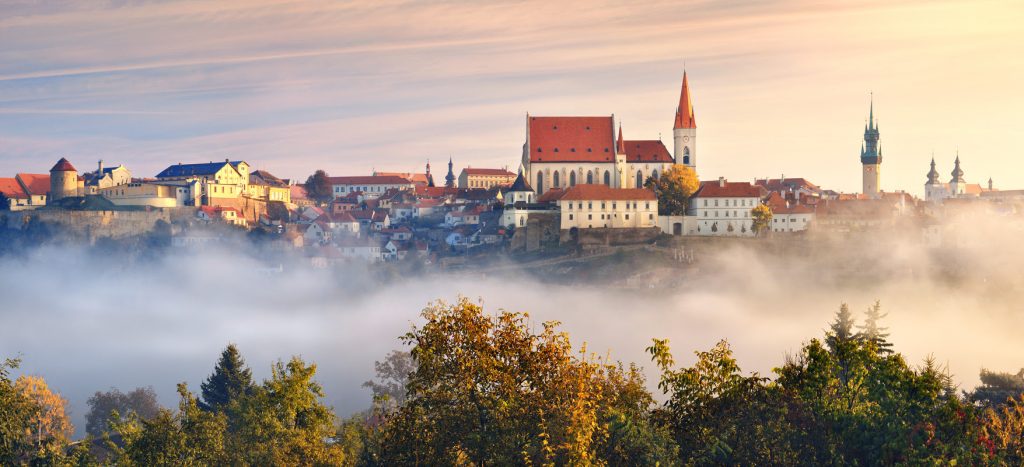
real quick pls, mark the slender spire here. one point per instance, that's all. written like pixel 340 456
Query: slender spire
pixel 871 113
pixel 933 175
pixel 684 113
pixel 621 149
pixel 957 173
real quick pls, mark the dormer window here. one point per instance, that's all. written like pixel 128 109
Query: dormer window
pixel 590 150
pixel 540 149
pixel 556 149
pixel 572 150
pixel 605 149
pixel 554 127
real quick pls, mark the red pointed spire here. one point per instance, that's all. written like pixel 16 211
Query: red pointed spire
pixel 684 113
pixel 621 147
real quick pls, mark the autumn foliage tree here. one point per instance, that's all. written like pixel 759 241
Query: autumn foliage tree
pixel 762 218
pixel 49 427
pixel 674 189
pixel 318 187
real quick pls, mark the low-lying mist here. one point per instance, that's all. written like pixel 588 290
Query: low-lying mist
pixel 89 321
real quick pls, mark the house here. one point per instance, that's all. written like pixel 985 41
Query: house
pixel 314 233
pixel 36 187
pixel 371 186
pixel 402 233
pixel 485 178
pixel 214 213
pixel 156 195
pixel 265 186
pixel 361 249
pixel 590 206
pixel 14 195
pixel 723 208
pixel 469 216
pixel 427 207
pixel 798 190
pixel 106 177
pixel 789 216
pixel 372 219
pixel 219 181
pixel 343 223
pixel 299 196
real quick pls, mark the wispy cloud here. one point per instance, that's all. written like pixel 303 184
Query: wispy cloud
pixel 780 86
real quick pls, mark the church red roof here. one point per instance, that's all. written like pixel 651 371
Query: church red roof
pixel 571 139
pixel 63 166
pixel 684 113
pixel 646 151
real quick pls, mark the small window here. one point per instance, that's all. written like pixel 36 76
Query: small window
pixel 556 149
pixel 590 217
pixel 572 150
pixel 540 149
pixel 627 217
pixel 570 216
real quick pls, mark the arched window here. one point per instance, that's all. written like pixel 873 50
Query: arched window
pixel 540 182
pixel 607 178
pixel 639 179
pixel 572 178
pixel 590 177
pixel 654 174
pixel 554 180
pixel 686 155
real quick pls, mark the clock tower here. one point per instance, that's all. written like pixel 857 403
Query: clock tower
pixel 684 131
pixel 871 155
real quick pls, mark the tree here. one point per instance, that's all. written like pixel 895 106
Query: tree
pixel 17 411
pixel 318 187
pixel 841 330
pixel 392 377
pixel 191 436
pixel 674 189
pixel 230 380
pixel 49 427
pixel 283 422
pixel 997 388
pixel 872 332
pixel 762 216
pixel 487 389
pixel 141 401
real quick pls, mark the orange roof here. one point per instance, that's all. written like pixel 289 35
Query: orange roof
pixel 684 113
pixel 571 139
pixel 63 166
pixel 647 151
pixel 723 189
pixel 418 178
pixel 620 148
pixel 553 194
pixel 35 184
pixel 478 171
pixel 298 192
pixel 604 192
pixel 10 188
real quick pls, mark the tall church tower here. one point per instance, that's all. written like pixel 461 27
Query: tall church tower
pixel 871 155
pixel 684 131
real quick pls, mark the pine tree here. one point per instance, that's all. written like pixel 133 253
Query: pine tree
pixel 872 332
pixel 841 330
pixel 230 379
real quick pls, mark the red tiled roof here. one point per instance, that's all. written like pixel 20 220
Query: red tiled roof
pixel 298 192
pixel 718 189
pixel 604 192
pixel 369 180
pixel 35 184
pixel 647 151
pixel 553 194
pixel 784 184
pixel 10 188
pixel 343 216
pixel 684 113
pixel 435 191
pixel 418 178
pixel 780 206
pixel 479 171
pixel 571 139
pixel 63 166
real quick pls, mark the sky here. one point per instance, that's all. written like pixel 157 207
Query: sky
pixel 779 88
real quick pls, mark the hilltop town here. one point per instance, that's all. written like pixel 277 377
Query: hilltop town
pixel 580 188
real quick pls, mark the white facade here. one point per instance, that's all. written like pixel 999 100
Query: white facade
pixel 585 208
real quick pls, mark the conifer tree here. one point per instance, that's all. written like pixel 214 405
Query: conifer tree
pixel 230 380
pixel 872 332
pixel 841 330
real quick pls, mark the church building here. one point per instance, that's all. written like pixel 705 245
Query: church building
pixel 561 152
pixel 871 156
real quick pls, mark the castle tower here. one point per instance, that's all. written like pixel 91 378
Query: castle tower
pixel 684 131
pixel 430 178
pixel 957 184
pixel 63 180
pixel 871 155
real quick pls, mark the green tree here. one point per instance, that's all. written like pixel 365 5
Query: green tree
pixel 283 421
pixel 872 331
pixel 996 388
pixel 762 217
pixel 392 377
pixel 318 187
pixel 230 380
pixel 674 189
pixel 191 436
pixel 841 330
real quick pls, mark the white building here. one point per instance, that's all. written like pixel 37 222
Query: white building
pixel 723 208
pixel 599 206
pixel 936 191
pixel 371 186
pixel 789 216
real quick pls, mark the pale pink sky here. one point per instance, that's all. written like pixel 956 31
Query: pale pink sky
pixel 779 87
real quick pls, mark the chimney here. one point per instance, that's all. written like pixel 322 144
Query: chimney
pixel 721 182
pixel 99 171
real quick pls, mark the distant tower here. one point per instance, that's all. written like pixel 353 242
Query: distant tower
pixel 449 180
pixel 957 185
pixel 684 131
pixel 430 178
pixel 63 180
pixel 934 190
pixel 871 155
